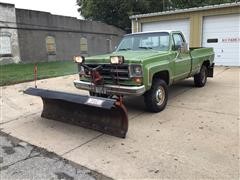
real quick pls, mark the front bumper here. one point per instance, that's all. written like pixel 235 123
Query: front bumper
pixel 110 89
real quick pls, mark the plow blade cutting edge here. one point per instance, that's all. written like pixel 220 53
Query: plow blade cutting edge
pixel 102 114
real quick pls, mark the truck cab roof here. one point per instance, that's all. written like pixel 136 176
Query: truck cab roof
pixel 162 31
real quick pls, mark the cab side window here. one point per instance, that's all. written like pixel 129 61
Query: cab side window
pixel 177 41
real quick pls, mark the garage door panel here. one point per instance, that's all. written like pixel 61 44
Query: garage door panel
pixel 226 29
pixel 178 25
pixel 229 62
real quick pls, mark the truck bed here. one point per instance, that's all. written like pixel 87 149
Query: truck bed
pixel 200 54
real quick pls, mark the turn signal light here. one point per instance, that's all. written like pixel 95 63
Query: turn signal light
pixel 138 80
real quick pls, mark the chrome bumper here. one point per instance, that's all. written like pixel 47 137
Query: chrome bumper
pixel 110 89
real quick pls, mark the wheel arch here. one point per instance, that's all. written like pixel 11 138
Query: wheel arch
pixel 206 63
pixel 163 75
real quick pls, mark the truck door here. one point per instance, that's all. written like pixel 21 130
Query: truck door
pixel 182 61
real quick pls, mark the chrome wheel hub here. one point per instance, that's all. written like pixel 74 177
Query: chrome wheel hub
pixel 160 96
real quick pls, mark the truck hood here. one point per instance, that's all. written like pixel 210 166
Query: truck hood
pixel 130 56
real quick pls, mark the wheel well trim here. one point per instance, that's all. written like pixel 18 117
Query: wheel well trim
pixel 168 81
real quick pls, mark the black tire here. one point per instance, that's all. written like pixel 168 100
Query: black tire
pixel 98 94
pixel 200 79
pixel 153 102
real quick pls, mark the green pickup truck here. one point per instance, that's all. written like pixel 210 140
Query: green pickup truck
pixel 145 64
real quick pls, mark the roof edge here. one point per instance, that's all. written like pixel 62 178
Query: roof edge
pixel 7 4
pixel 225 5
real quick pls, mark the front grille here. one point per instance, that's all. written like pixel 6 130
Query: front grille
pixel 112 72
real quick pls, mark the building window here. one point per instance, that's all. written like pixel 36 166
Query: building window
pixel 109 45
pixel 51 45
pixel 83 45
pixel 212 40
pixel 5 44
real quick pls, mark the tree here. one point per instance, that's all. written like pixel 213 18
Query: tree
pixel 114 12
pixel 117 12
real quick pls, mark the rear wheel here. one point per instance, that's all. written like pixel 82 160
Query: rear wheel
pixel 156 98
pixel 200 79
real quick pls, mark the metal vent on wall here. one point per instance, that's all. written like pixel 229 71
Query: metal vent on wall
pixel 212 40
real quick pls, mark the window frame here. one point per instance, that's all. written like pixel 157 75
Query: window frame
pixel 174 44
pixel 54 45
pixel 85 44
pixel 109 45
pixel 135 48
pixel 8 35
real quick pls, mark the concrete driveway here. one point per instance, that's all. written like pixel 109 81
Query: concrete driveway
pixel 196 136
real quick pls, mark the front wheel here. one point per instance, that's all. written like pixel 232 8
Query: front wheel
pixel 156 98
pixel 200 79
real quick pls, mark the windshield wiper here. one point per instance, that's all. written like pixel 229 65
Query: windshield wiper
pixel 143 47
pixel 124 49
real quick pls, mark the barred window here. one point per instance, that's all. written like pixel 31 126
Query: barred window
pixel 50 45
pixel 83 45
pixel 5 44
pixel 109 45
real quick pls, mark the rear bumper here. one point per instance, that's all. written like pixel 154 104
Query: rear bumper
pixel 211 70
pixel 110 89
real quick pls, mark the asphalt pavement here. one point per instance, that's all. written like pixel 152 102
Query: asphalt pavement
pixel 20 160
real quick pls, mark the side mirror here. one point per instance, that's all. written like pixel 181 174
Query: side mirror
pixel 176 47
pixel 181 48
pixel 184 47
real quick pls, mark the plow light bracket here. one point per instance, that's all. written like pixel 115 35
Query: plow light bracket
pixel 79 59
pixel 117 59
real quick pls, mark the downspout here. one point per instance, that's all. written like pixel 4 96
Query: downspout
pixel 137 24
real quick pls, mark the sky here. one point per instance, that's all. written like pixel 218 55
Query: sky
pixel 58 7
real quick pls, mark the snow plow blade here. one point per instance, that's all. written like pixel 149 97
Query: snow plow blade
pixel 102 114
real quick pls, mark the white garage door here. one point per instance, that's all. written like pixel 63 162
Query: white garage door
pixel 178 25
pixel 223 34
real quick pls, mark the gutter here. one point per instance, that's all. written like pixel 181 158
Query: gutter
pixel 226 5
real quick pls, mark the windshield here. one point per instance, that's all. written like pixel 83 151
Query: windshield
pixel 141 42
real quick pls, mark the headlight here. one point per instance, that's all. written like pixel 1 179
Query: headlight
pixel 136 71
pixel 79 59
pixel 117 59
